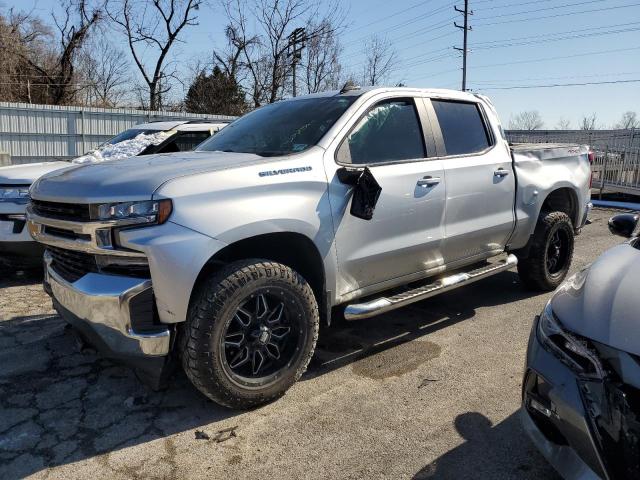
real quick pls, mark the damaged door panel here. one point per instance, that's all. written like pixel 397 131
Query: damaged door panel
pixel 387 196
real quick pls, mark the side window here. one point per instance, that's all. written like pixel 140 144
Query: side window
pixel 462 126
pixel 389 131
pixel 185 142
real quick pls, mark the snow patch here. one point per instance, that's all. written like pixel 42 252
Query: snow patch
pixel 124 149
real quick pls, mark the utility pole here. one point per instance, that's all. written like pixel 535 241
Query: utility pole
pixel 297 41
pixel 466 28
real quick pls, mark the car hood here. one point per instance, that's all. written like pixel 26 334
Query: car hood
pixel 27 173
pixel 134 178
pixel 602 302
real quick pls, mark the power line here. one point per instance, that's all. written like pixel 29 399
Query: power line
pixel 601 52
pixel 488 83
pixel 611 82
pixel 541 39
pixel 397 26
pixel 559 15
pixel 387 17
pixel 496 7
pixel 545 59
pixel 555 7
pixel 564 32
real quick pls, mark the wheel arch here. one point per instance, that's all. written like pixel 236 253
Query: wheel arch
pixel 293 249
pixel 562 199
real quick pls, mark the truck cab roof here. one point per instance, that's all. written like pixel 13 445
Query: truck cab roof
pixel 182 125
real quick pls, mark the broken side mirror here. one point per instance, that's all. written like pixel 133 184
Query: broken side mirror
pixel 623 224
pixel 366 190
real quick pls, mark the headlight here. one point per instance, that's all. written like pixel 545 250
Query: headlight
pixel 572 349
pixel 155 211
pixel 15 194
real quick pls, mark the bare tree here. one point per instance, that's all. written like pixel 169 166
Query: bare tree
pixel 153 26
pixel 629 120
pixel 563 124
pixel 51 67
pixel 529 120
pixel 588 122
pixel 321 61
pixel 258 53
pixel 106 70
pixel 380 60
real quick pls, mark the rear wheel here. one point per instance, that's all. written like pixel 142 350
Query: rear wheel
pixel 550 254
pixel 250 333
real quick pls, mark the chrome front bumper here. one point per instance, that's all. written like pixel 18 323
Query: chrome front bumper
pixel 100 306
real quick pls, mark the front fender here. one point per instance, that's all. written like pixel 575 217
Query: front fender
pixel 176 256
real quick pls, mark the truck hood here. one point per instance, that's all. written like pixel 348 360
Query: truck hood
pixel 27 173
pixel 602 302
pixel 134 178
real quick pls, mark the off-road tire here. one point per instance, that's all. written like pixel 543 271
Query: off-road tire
pixel 533 270
pixel 215 303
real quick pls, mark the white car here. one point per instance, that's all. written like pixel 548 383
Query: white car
pixel 16 245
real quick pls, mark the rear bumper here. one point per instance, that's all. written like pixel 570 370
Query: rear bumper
pixel 106 310
pixel 585 217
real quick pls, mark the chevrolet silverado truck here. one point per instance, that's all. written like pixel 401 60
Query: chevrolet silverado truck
pixel 229 257
pixel 17 248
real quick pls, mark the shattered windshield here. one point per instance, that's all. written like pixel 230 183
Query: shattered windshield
pixel 128 135
pixel 280 128
pixel 125 148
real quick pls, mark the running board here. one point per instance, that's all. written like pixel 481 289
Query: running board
pixel 380 305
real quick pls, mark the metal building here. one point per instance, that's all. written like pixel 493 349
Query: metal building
pixel 35 133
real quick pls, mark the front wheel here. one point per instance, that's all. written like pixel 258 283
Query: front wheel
pixel 250 333
pixel 550 254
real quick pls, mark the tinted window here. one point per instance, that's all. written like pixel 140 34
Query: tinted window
pixel 389 131
pixel 462 127
pixel 185 142
pixel 280 128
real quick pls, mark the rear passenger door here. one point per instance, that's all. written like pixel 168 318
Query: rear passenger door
pixel 404 235
pixel 480 181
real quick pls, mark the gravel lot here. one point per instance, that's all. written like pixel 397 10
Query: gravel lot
pixel 429 391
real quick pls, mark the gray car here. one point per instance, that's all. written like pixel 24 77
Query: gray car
pixel 581 389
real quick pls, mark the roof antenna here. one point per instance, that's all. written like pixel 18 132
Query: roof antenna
pixel 349 86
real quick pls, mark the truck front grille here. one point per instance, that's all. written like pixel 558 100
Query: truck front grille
pixel 72 265
pixel 62 211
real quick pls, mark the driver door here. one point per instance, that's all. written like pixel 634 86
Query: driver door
pixel 403 238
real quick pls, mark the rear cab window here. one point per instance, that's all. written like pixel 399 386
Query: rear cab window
pixel 184 142
pixel 463 127
pixel 390 131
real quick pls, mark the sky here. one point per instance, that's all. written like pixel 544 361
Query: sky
pixel 526 43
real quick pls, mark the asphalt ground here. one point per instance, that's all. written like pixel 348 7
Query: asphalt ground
pixel 428 391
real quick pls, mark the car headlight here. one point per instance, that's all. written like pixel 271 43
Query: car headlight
pixel 15 194
pixel 571 349
pixel 155 211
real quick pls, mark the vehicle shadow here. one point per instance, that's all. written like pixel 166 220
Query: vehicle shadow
pixel 18 276
pixel 346 342
pixel 489 451
pixel 60 405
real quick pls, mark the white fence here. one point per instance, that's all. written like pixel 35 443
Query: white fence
pixel 32 133
pixel 617 154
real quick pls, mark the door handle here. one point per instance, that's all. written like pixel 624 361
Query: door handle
pixel 501 172
pixel 427 182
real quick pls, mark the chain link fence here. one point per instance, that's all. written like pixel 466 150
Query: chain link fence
pixel 616 167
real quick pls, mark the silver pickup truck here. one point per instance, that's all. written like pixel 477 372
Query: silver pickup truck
pixel 229 257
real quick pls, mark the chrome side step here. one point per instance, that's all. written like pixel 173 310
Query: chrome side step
pixel 380 305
